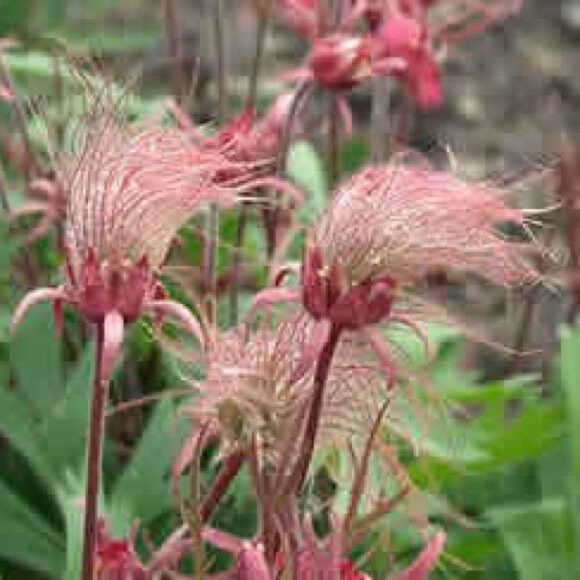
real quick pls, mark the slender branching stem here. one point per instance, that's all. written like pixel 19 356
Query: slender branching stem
pixel 95 444
pixel 4 200
pixel 333 141
pixel 243 214
pixel 254 78
pixel 211 240
pixel 273 216
pixel 174 46
pixel 237 265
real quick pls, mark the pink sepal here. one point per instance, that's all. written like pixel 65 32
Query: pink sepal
pixel 382 353
pixel 180 313
pixel 113 331
pixel 426 560
pixel 38 295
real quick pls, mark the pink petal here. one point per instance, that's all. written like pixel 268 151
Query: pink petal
pixel 222 540
pixel 382 353
pixel 271 296
pixel 275 183
pixel 38 295
pixel 113 331
pixel 180 313
pixel 426 560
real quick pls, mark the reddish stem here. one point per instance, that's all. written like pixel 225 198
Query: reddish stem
pixel 298 475
pixel 95 445
pixel 225 477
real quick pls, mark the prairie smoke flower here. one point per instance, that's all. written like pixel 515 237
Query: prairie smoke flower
pixel 340 61
pixel 406 39
pixel 247 146
pixel 404 32
pixel 128 191
pixel 386 229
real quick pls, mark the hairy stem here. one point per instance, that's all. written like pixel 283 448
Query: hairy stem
pixel 173 46
pixel 95 444
pixel 225 477
pixel 300 470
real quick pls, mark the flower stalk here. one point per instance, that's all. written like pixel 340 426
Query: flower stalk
pixel 94 455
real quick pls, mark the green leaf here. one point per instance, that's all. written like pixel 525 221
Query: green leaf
pixel 570 376
pixel 26 539
pixel 66 426
pixel 143 491
pixel 539 538
pixel 17 426
pixel 305 167
pixel 35 356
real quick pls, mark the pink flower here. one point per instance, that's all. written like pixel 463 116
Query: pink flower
pixel 128 192
pixel 406 39
pixel 247 147
pixel 386 229
pixel 117 559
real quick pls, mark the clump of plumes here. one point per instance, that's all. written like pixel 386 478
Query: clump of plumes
pixel 406 221
pixel 255 386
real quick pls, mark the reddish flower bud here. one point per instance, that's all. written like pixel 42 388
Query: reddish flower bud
pixel 116 559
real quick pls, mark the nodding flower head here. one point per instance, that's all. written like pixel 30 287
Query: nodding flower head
pixel 341 61
pixel 250 388
pixel 406 221
pixel 128 194
pixel 406 39
pixel 243 150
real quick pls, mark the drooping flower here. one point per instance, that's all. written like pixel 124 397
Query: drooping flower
pixel 405 31
pixel 248 144
pixel 407 39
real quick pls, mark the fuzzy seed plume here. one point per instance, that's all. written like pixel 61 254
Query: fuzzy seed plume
pixel 408 220
pixel 130 189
